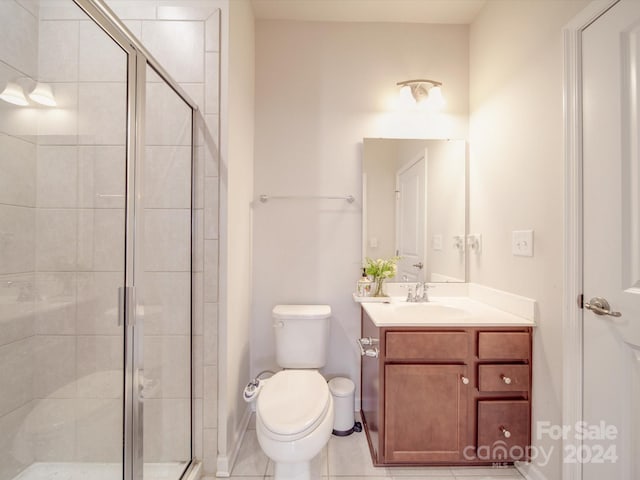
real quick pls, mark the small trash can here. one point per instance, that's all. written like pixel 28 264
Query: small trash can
pixel 343 392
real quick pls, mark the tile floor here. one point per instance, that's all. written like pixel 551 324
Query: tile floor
pixel 347 458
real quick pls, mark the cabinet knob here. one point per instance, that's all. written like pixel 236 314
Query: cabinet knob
pixel 465 380
pixel 505 432
pixel 506 379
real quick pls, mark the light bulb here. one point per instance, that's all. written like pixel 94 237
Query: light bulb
pixel 405 97
pixel 436 99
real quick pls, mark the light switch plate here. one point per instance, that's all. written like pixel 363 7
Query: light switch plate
pixel 522 243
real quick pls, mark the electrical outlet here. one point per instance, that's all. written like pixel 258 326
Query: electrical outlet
pixel 522 243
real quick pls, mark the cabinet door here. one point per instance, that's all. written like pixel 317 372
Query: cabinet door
pixel 425 413
pixel 503 430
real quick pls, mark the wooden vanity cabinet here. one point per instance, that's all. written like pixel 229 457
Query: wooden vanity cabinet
pixel 435 395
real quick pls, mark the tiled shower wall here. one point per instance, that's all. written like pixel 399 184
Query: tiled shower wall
pixel 17 252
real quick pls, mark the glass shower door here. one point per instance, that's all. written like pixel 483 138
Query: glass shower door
pixel 166 282
pixel 103 167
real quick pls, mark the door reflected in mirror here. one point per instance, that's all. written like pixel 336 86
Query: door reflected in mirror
pixel 414 206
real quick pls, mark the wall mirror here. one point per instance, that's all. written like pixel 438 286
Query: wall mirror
pixel 414 206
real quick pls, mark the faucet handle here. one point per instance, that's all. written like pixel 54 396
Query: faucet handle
pixel 410 296
pixel 425 295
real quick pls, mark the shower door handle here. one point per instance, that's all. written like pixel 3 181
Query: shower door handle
pixel 126 305
pixel 121 306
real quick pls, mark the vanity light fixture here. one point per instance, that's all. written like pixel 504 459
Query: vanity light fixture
pixel 424 91
pixel 13 93
pixel 43 95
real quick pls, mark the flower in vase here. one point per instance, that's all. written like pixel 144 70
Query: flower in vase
pixel 379 270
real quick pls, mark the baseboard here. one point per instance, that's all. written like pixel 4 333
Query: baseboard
pixel 225 463
pixel 529 471
pixel 222 467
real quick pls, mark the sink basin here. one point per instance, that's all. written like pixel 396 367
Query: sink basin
pixel 416 312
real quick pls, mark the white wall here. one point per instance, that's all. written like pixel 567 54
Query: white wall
pixel 236 191
pixel 320 89
pixel 516 172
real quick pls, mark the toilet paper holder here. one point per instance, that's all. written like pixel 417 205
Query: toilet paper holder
pixel 368 352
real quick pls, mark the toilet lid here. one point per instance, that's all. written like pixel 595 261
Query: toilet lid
pixel 301 312
pixel 293 402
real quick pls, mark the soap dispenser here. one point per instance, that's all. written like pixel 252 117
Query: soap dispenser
pixel 363 287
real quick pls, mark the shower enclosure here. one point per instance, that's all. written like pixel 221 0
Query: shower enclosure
pixel 96 240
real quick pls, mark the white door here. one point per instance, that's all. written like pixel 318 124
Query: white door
pixel 410 220
pixel 611 182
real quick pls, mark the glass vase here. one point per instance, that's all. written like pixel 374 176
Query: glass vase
pixel 378 283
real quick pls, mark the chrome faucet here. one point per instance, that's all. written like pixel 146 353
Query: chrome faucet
pixel 422 294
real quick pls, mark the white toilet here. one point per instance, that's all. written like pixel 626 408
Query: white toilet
pixel 294 411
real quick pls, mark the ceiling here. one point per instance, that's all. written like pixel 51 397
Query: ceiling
pixel 402 11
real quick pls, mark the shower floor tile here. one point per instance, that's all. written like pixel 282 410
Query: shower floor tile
pixel 97 471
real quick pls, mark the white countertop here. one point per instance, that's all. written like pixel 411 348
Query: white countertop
pixel 460 311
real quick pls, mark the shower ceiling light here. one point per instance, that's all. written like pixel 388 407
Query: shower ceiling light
pixel 424 91
pixel 43 95
pixel 13 93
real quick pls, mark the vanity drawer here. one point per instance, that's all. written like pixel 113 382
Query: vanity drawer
pixel 503 378
pixel 503 424
pixel 504 345
pixel 427 346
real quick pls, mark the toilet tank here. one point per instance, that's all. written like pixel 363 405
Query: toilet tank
pixel 302 335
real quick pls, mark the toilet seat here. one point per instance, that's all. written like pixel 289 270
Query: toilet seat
pixel 293 403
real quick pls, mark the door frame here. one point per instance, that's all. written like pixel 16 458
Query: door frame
pixel 572 352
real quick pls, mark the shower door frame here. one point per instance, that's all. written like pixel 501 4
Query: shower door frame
pixel 138 58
